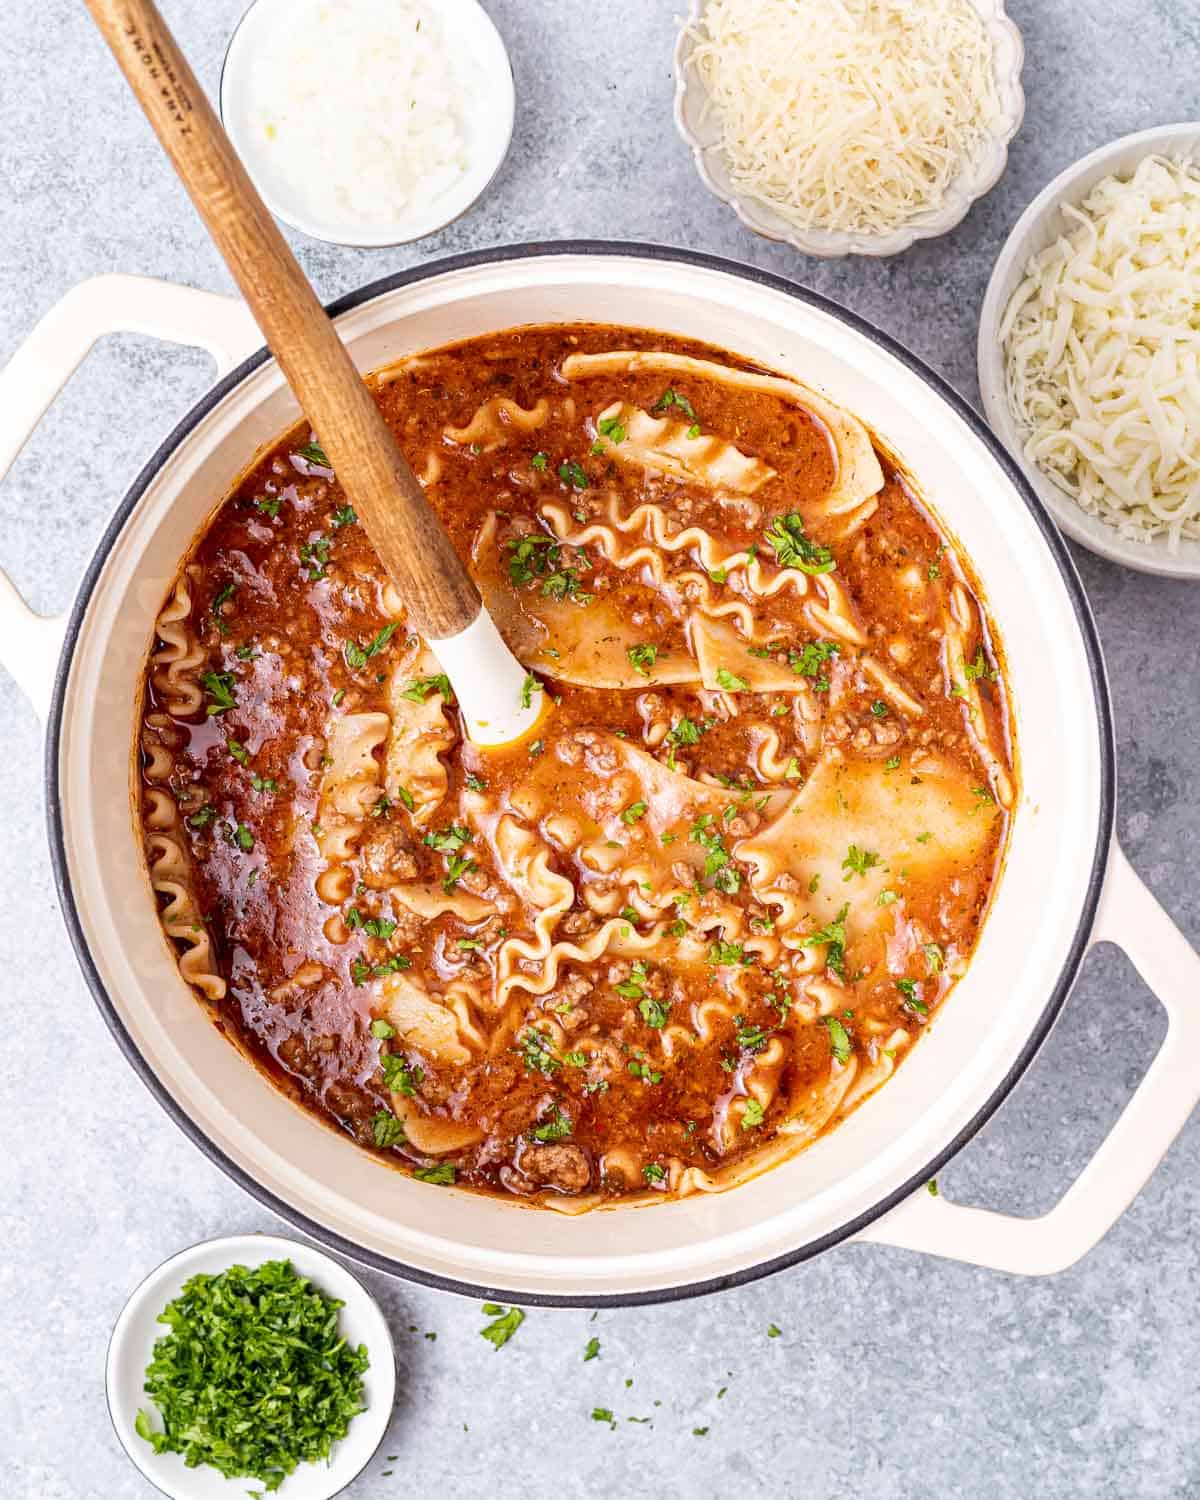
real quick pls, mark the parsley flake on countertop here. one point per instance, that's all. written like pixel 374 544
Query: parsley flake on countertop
pixel 254 1376
pixel 503 1326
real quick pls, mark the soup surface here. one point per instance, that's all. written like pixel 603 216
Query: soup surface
pixel 710 903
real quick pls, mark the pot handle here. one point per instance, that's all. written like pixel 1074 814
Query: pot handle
pixel 1129 916
pixel 30 643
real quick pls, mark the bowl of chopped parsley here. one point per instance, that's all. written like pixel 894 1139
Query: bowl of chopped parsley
pixel 251 1364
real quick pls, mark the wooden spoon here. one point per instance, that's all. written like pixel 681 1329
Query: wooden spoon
pixel 500 702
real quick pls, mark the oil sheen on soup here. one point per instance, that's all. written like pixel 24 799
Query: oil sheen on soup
pixel 710 903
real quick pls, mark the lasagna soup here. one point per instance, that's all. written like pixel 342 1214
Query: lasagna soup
pixel 710 903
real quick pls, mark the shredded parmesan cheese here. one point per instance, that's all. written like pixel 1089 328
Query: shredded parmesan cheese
pixel 847 114
pixel 1102 353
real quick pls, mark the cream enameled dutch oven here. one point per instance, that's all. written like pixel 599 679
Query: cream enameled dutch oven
pixel 1066 884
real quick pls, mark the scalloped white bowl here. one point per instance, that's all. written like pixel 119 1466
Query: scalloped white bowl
pixel 1040 224
pixel 701 132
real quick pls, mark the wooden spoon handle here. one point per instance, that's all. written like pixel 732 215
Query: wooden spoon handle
pixel 412 545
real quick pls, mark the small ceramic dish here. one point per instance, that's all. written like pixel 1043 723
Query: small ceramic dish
pixel 137 1329
pixel 488 107
pixel 1040 224
pixel 701 132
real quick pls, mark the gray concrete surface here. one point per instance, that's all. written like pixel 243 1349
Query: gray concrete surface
pixel 895 1376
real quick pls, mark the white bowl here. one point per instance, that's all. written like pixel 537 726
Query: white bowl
pixel 703 136
pixel 1040 224
pixel 488 124
pixel 137 1328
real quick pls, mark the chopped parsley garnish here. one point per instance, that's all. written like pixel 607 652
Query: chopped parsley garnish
pixel 313 453
pixel 556 1128
pixel 839 1039
pixel 269 507
pixel 858 861
pixel 729 681
pixel 240 836
pixel 565 585
pixel 811 659
pixel 443 1175
pixel 655 1013
pixel 377 927
pixel 912 1000
pixel 725 955
pixel 591 1349
pixel 505 1325
pixel 718 575
pixel 358 656
pixel 634 812
pixel 717 867
pixel 612 428
pixel 752 1115
pixel 602 1414
pixel 254 1376
pixel 220 688
pixel 420 688
pixel 892 763
pixel 833 936
pixel 313 557
pixel 652 1172
pixel 456 868
pixel 204 817
pixel 386 1129
pixel 361 970
pixel 641 1069
pixel 528 688
pixel 793 549
pixel 694 430
pixel 537 1052
pixel 223 597
pixel 684 731
pixel 935 959
pixel 670 398
pixel 539 461
pixel 476 784
pixel 750 1038
pixel 642 657
pixel 635 986
pixel 399 1076
pixel 886 898
pixel 345 515
pixel 773 1331
pixel 238 751
pixel 448 840
pixel 531 556
pixel 382 1029
pixel 879 709
pixel 974 670
pixel 573 474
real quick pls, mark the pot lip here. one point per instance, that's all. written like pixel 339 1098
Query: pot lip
pixel 599 249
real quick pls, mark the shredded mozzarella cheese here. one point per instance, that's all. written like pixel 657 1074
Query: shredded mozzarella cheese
pixel 847 114
pixel 1102 353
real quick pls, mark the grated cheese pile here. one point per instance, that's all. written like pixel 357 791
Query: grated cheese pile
pixel 1102 353
pixel 847 114
pixel 358 107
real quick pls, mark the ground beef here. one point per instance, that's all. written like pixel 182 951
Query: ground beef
pixel 563 1167
pixel 387 857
